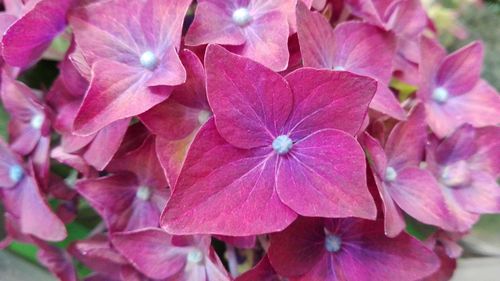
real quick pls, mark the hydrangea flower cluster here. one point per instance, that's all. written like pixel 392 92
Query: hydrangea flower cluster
pixel 245 139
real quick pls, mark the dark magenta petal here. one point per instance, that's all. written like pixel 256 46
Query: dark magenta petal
pixel 328 100
pixel 26 40
pixel 217 179
pixel 324 175
pixel 263 271
pixel 259 109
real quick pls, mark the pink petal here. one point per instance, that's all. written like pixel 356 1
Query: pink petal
pixel 460 219
pixel 405 144
pixel 263 271
pixel 7 160
pixel 316 38
pixel 482 196
pixel 151 252
pixel 460 71
pixel 117 91
pixel 434 55
pixel 325 176
pixel 242 90
pixel 219 185
pixel 417 192
pixel 386 102
pixel 172 155
pixel 26 40
pixel 328 99
pixel 213 24
pixel 487 157
pixel 394 220
pixel 36 217
pixel 459 146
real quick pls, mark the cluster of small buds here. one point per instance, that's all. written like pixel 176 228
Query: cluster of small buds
pixel 249 140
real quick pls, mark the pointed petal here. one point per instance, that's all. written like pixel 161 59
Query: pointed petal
pixel 394 221
pixel 26 40
pixel 460 71
pixel 35 216
pixel 243 90
pixel 405 144
pixel 116 92
pixel 315 38
pixel 386 102
pixel 172 155
pixel 434 54
pixel 324 175
pixel 459 146
pixel 213 24
pixel 328 99
pixel 151 252
pixel 225 190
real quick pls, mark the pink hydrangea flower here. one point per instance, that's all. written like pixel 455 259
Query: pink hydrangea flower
pixel 452 91
pixel 252 28
pixel 133 57
pixel 291 150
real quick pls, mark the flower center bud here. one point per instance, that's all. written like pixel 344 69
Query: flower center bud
pixel 390 174
pixel 242 17
pixel 339 68
pixel 15 173
pixel 440 95
pixel 456 174
pixel 37 121
pixel 203 116
pixel 143 193
pixel 149 60
pixel 195 256
pixel 282 144
pixel 332 243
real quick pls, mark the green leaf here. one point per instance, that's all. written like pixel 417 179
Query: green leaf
pixel 419 230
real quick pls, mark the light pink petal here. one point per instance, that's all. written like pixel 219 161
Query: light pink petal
pixel 26 40
pixel 151 252
pixel 482 196
pixel 460 219
pixel 35 216
pixel 324 175
pixel 251 103
pixel 487 158
pixel 117 91
pixel 417 192
pixel 317 44
pixel 171 155
pixel 213 24
pixel 434 54
pixel 225 190
pixel 405 144
pixel 328 99
pixel 460 71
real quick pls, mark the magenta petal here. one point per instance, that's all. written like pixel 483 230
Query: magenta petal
pixel 394 220
pixel 434 54
pixel 460 71
pixel 151 252
pixel 325 176
pixel 26 40
pixel 386 102
pixel 244 91
pixel 117 91
pixel 219 185
pixel 263 271
pixel 417 192
pixel 328 100
pixel 459 146
pixel 36 217
pixel 7 160
pixel 171 155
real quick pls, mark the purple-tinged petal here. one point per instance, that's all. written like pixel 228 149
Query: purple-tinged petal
pixel 35 216
pixel 72 160
pixel 57 260
pixel 117 92
pixel 241 90
pixel 460 220
pixel 220 184
pixel 459 146
pixel 328 100
pixel 10 170
pixel 324 175
pixel 460 71
pixel 298 248
pixel 151 252
pixel 481 196
pixel 487 157
pixel 434 55
pixel 26 40
pixel 405 144
pixel 417 192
